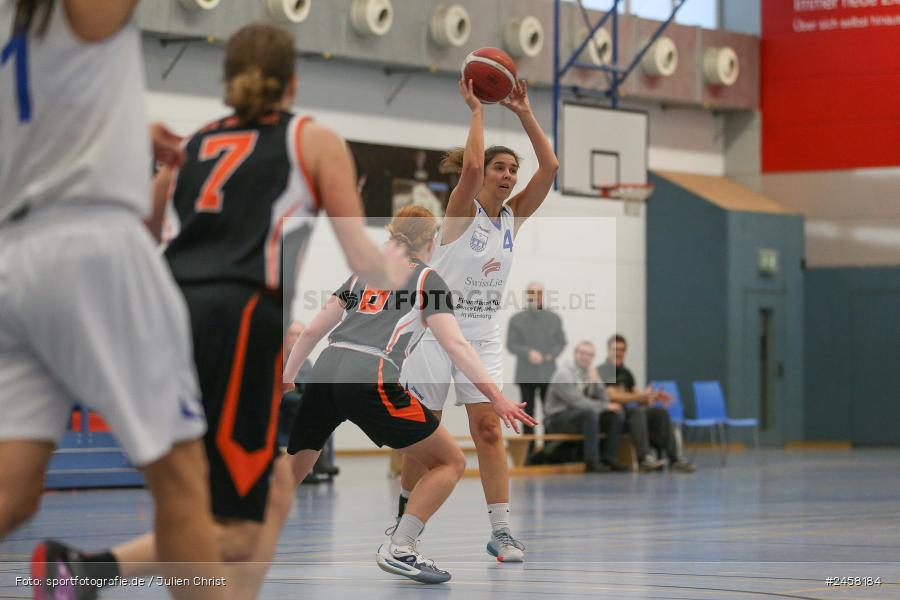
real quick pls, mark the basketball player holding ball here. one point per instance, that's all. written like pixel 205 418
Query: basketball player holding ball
pixel 474 257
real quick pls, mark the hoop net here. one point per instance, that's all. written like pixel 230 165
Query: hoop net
pixel 634 195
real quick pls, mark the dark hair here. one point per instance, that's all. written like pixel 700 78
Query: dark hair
pixel 453 159
pixel 29 12
pixel 615 338
pixel 259 65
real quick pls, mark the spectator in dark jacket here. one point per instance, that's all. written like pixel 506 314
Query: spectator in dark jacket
pixel 536 337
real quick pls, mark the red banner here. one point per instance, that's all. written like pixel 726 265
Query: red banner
pixel 830 84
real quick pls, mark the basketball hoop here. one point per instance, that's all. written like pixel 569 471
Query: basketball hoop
pixel 634 195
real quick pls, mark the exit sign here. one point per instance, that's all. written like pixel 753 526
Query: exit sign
pixel 767 261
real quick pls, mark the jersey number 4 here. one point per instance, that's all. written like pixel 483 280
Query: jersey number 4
pixel 230 151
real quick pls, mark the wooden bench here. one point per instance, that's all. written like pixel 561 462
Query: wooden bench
pixel 518 446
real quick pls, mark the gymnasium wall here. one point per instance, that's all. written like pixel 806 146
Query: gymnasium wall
pixel 428 113
pixel 748 232
pixel 687 288
pixel 823 142
pixel 830 79
pixel 852 348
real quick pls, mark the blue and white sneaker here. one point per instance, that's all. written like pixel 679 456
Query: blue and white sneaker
pixel 405 561
pixel 505 547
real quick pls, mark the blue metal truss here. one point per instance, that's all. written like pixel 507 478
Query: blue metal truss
pixel 616 74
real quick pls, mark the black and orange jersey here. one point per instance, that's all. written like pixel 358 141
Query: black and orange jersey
pixel 390 323
pixel 229 201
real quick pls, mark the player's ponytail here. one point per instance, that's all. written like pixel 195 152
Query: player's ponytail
pixel 259 66
pixel 452 162
pixel 413 226
pixel 31 12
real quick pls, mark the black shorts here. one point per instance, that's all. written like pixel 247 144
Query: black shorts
pixel 364 389
pixel 238 352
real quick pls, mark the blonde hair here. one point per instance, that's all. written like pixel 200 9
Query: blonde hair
pixel 413 226
pixel 259 65
pixel 452 161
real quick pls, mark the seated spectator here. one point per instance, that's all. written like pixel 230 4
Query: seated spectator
pixel 648 424
pixel 577 403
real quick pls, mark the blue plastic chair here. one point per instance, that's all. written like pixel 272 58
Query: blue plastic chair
pixel 710 406
pixel 676 408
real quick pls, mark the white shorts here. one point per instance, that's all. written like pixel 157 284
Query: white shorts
pixel 428 371
pixel 89 313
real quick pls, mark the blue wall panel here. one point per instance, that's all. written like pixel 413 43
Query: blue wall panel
pixel 852 355
pixel 686 288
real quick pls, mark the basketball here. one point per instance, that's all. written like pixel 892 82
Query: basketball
pixel 493 74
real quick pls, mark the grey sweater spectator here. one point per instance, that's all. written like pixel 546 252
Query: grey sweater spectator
pixel 573 387
pixel 577 403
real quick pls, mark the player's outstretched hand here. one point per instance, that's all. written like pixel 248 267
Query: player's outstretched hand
pixel 466 91
pixel 517 101
pixel 167 148
pixel 511 413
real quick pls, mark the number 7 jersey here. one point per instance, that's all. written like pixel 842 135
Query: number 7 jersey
pixel 242 191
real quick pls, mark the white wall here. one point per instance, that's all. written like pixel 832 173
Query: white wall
pixel 851 216
pixel 686 140
pixel 428 113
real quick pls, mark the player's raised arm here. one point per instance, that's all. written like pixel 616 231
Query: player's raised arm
pixel 469 161
pixel 335 175
pixel 528 200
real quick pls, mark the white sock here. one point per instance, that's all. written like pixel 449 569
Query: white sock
pixel 405 493
pixel 499 515
pixel 408 531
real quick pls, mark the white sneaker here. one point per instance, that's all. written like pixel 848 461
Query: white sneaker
pixel 405 561
pixel 651 463
pixel 505 547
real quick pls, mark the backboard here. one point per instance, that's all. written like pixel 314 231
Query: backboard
pixel 601 147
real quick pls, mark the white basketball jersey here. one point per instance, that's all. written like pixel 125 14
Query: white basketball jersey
pixel 73 125
pixel 476 268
